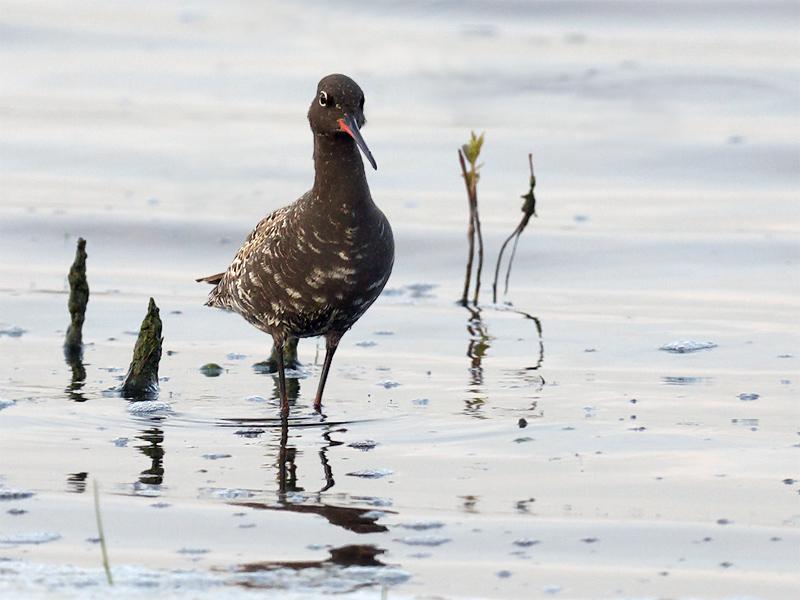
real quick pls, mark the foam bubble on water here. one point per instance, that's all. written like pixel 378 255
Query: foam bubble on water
pixel 35 537
pixel 525 542
pixel 147 407
pixel 226 493
pixel 682 380
pixel 387 383
pixel 299 373
pixel 256 398
pixel 552 589
pixel 745 422
pixel 363 445
pixel 216 455
pixel 423 540
pixel 373 515
pixel 9 494
pixel 13 332
pixel 421 290
pixel 373 500
pixel 193 551
pixel 325 579
pixel 421 525
pixel 251 432
pixel 296 498
pixel 371 473
pixel 686 346
pixel 145 489
pixel 31 580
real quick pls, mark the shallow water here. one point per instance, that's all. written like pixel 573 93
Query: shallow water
pixel 545 448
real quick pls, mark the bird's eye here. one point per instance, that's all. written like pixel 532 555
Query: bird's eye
pixel 323 99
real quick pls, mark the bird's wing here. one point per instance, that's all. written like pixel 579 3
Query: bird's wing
pixel 261 230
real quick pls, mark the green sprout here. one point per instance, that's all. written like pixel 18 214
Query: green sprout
pixel 471 150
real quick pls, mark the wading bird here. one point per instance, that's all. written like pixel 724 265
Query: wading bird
pixel 315 266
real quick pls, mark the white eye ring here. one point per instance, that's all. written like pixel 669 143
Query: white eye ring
pixel 323 99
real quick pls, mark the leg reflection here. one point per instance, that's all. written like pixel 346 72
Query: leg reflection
pixel 358 520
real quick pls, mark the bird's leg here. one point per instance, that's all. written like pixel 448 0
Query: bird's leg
pixel 279 341
pixel 331 343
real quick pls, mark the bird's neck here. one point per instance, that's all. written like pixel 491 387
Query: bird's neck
pixel 339 170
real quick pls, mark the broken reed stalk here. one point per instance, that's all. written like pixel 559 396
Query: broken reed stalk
pixel 142 378
pixel 479 270
pixel 470 233
pixel 470 152
pixel 78 299
pixel 528 211
pixel 499 259
pixel 101 534
pixel 511 262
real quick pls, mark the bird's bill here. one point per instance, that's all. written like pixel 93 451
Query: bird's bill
pixel 349 125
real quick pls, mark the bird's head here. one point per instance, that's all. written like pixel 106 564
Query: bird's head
pixel 338 109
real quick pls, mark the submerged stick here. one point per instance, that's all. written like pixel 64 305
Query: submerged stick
pixel 78 299
pixel 142 377
pixel 528 210
pixel 101 534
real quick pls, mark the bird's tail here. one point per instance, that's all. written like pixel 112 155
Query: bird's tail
pixel 217 295
pixel 212 279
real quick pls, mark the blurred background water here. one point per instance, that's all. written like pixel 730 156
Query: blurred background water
pixel 665 140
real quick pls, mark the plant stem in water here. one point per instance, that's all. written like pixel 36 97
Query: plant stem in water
pixel 101 534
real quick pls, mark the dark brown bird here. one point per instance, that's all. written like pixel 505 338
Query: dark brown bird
pixel 315 266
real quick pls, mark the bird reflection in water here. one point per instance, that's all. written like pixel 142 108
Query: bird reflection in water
pixel 292 390
pixel 361 555
pixel 292 497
